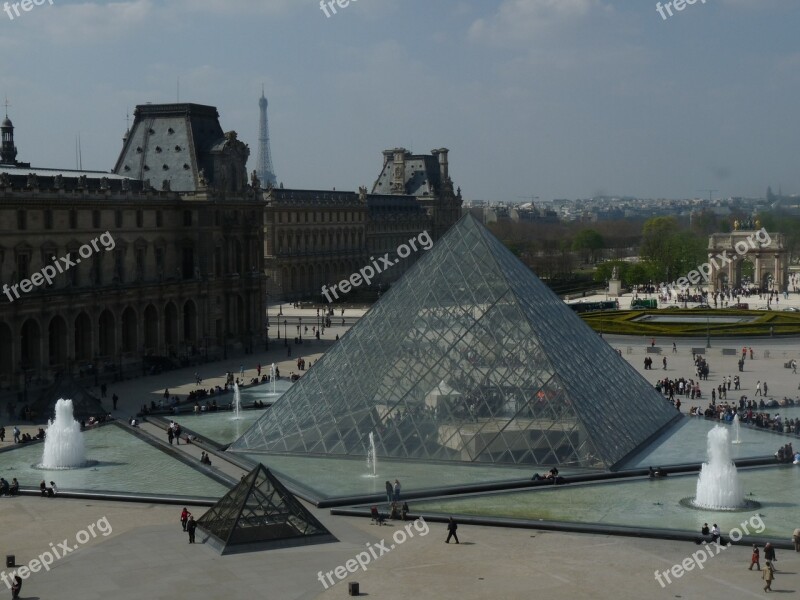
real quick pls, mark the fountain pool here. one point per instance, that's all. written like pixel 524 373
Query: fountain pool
pixel 337 477
pixel 124 463
pixel 219 427
pixel 639 503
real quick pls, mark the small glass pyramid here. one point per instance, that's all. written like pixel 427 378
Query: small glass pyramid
pixel 468 358
pixel 260 513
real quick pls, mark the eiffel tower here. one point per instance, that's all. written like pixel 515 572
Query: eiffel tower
pixel 265 170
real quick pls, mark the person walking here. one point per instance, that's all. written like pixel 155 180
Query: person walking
pixel 170 435
pixel 396 496
pixel 758 388
pixel 452 526
pixel 2 434
pixel 114 400
pixel 184 517
pixel 15 431
pixel 177 434
pixel 755 559
pixel 191 525
pixel 16 587
pixel 796 539
pixel 765 387
pixel 769 555
pixel 768 575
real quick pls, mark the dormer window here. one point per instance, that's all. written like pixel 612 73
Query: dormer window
pixel 151 130
pixel 146 168
pixel 170 130
pixel 177 148
pixel 165 167
pixel 139 150
pixel 158 149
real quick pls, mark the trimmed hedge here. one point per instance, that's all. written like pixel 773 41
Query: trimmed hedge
pixel 622 322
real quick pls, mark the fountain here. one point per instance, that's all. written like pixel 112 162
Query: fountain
pixel 736 429
pixel 272 379
pixel 372 457
pixel 63 444
pixel 237 401
pixel 718 486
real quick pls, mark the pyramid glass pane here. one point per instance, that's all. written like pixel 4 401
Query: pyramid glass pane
pixel 468 358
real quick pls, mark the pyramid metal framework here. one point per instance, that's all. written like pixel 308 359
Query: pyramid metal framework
pixel 468 358
pixel 260 513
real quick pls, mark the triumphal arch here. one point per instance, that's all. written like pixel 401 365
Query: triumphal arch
pixel 748 241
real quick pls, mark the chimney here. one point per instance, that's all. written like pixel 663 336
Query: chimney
pixel 443 167
pixel 399 171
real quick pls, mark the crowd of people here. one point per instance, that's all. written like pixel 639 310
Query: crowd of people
pixel 753 413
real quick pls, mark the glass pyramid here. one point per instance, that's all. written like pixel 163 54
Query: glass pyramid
pixel 260 513
pixel 469 358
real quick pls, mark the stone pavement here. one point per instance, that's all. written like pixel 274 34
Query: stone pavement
pixel 770 354
pixel 148 556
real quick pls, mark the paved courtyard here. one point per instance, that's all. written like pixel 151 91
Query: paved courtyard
pixel 147 555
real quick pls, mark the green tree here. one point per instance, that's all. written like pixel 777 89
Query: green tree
pixel 669 253
pixel 590 242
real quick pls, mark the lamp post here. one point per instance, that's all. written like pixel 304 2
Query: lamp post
pixel 266 333
pixel 285 339
pixel 708 333
pixel 300 329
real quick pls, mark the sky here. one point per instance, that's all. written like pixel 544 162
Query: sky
pixel 547 98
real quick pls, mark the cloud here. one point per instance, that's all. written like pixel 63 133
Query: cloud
pixel 237 8
pixel 516 20
pixel 89 22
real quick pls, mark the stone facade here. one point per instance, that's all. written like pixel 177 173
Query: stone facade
pixel 312 238
pixel 186 252
pixel 315 238
pixel 728 251
pixel 177 275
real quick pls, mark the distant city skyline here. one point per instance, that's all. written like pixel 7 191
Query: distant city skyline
pixel 566 99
